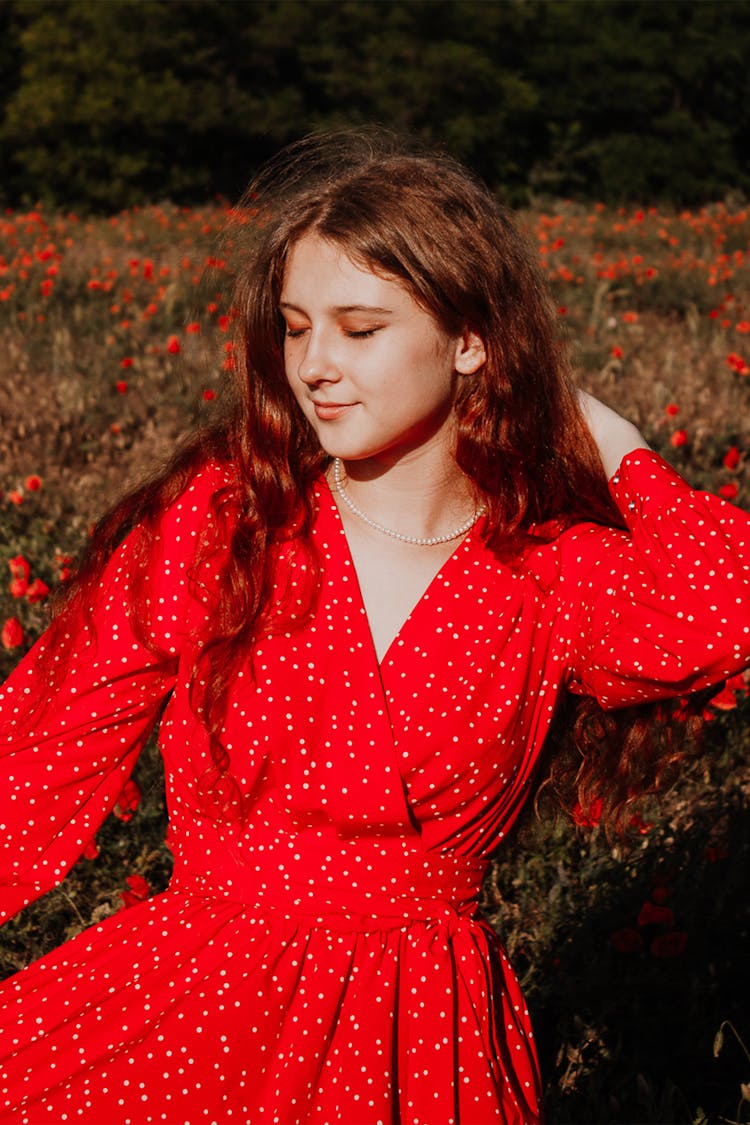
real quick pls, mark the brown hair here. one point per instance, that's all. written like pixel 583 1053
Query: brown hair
pixel 420 217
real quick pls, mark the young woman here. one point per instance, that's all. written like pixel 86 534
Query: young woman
pixel 356 605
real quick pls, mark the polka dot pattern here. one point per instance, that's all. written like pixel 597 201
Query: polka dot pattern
pixel 324 962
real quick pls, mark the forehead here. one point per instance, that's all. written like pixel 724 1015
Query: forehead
pixel 316 266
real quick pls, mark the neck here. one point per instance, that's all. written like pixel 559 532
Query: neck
pixel 412 497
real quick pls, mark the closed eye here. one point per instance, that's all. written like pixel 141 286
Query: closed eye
pixel 361 335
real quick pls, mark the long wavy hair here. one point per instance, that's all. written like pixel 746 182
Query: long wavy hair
pixel 419 217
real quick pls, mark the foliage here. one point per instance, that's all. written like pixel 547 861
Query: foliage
pixel 114 343
pixel 107 105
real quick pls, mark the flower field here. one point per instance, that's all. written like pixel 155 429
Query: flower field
pixel 116 338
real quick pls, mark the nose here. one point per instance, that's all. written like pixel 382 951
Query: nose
pixel 316 362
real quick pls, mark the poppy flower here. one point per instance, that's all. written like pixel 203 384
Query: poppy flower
pixel 121 387
pixel 37 591
pixel 726 699
pixel 173 345
pixel 90 851
pixel 126 361
pixel 15 497
pixel 729 491
pixel 12 633
pixel 678 438
pixel 671 944
pixel 193 329
pixel 627 940
pixel 138 891
pixel 33 483
pixel 128 801
pixel 732 458
pixel 590 817
pixel 20 568
pixel 18 587
pixel 672 409
pixel 651 913
pixel 616 352
pixel 208 395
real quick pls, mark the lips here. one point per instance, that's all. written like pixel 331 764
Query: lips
pixel 328 411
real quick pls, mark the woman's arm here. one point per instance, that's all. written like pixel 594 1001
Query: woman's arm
pixel 663 609
pixel 68 741
pixel 614 436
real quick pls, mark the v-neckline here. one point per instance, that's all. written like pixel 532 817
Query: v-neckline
pixel 396 641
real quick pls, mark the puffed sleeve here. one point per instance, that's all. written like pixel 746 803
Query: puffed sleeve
pixel 663 609
pixel 63 765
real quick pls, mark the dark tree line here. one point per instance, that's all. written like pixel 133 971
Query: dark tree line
pixel 108 104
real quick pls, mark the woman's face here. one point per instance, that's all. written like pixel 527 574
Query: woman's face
pixel 373 372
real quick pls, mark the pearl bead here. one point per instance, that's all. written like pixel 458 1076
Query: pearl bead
pixel 429 541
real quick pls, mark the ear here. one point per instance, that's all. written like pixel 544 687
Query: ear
pixel 470 353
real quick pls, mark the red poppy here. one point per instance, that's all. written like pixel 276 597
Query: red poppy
pixel 20 568
pixel 90 851
pixel 15 497
pixel 208 395
pixel 726 699
pixel 121 387
pixel 138 891
pixel 669 945
pixel 678 438
pixel 627 940
pixel 590 817
pixel 18 587
pixel 193 329
pixel 729 491
pixel 33 483
pixel 732 458
pixel 126 361
pixel 173 345
pixel 738 363
pixel 652 913
pixel 12 633
pixel 128 801
pixel 37 591
pixel 616 352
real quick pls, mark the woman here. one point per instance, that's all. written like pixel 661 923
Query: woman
pixel 361 598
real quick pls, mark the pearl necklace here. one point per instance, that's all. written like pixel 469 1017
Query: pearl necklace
pixel 429 541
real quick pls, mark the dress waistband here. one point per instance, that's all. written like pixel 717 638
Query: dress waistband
pixel 361 882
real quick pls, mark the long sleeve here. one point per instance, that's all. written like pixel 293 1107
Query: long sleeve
pixel 663 609
pixel 63 764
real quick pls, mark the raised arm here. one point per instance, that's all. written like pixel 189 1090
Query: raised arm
pixel 665 608
pixel 614 436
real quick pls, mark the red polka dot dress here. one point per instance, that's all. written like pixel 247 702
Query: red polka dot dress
pixel 323 962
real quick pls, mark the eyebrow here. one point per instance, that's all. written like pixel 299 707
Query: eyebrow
pixel 339 309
